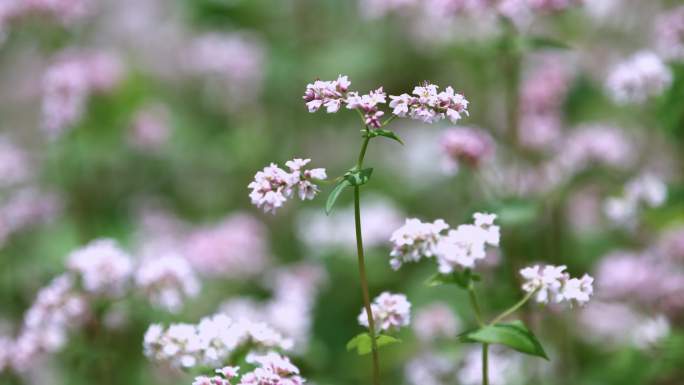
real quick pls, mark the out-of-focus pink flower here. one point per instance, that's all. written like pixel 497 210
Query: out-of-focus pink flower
pixel 640 77
pixel 592 145
pixel 235 59
pixel 15 167
pixel 435 321
pixel 150 129
pixel 233 248
pixel 504 367
pixel 466 145
pixel 103 267
pixel 669 34
pixel 671 244
pixel 68 83
pixel 167 280
pixel 25 208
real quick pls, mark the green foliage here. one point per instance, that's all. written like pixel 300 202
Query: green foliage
pixel 515 335
pixel 362 343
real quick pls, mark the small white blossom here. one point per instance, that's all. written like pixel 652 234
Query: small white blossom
pixel 429 105
pixel 167 281
pixel 639 78
pixel 465 245
pixel 414 240
pixel 272 369
pixel 553 284
pixel 390 312
pixel 273 186
pixel 103 266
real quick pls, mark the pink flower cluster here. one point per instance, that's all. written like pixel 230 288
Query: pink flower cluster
pixel 553 284
pixel 66 12
pixel 426 103
pixel 233 248
pixel 435 321
pixel 390 312
pixel 150 128
pixel 25 208
pixel 103 266
pixel 167 281
pixel 273 186
pixel 429 105
pixel 466 145
pixel 669 34
pixel 457 249
pixel 68 83
pixel 223 377
pixel 15 167
pixel 639 78
pixel 272 369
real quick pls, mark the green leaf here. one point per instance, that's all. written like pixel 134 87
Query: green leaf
pixel 514 335
pixel 384 340
pixel 386 133
pixel 358 177
pixel 334 194
pixel 362 344
pixel 460 278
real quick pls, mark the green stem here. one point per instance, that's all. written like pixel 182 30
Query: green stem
pixel 362 267
pixel 513 308
pixel 475 304
pixel 485 348
pixel 485 364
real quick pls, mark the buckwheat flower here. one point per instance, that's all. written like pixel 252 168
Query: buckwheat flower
pixel 669 34
pixel 330 94
pixel 546 282
pixel 390 312
pixel 179 345
pixel 414 240
pixel 595 145
pixel 553 284
pixel 228 371
pixel 429 105
pixel 466 145
pixel 639 78
pixel 466 244
pixel 272 369
pixel 150 128
pixel 270 188
pixel 167 281
pixel 215 380
pixel 435 321
pixel 645 190
pixel 368 104
pixel 273 186
pixel 305 188
pixel 104 268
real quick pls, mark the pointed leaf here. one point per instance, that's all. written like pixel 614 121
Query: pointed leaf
pixel 384 340
pixel 362 344
pixel 334 194
pixel 514 335
pixel 387 134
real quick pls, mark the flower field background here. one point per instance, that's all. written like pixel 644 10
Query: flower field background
pixel 171 211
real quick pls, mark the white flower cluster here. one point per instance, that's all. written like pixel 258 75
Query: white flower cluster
pixel 272 369
pixel 273 186
pixel 553 284
pixel 639 78
pixel 167 281
pixel 429 105
pixel 457 249
pixel 644 190
pixel 462 247
pixel 222 378
pixel 414 240
pixel 426 104
pixel 103 266
pixel 57 309
pixel 390 312
pixel 210 342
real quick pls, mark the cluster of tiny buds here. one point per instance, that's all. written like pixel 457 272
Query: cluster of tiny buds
pixel 426 103
pixel 553 284
pixel 272 369
pixel 390 312
pixel 273 186
pixel 459 248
